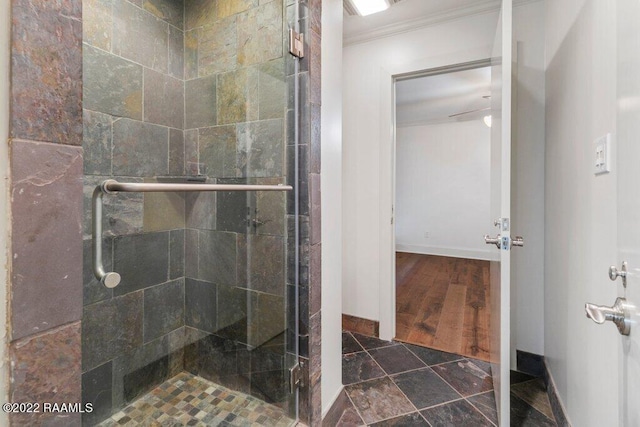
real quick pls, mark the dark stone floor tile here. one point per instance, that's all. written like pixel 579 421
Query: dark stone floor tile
pixel 350 418
pixel 459 413
pixel 520 377
pixel 378 400
pixel 371 342
pixel 525 415
pixel 431 356
pixel 535 394
pixel 467 378
pixel 424 388
pixel 357 367
pixel 349 343
pixel 342 413
pixel 396 359
pixel 411 420
pixel 486 403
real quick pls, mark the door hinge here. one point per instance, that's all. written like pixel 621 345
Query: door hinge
pixel 296 43
pixel 295 377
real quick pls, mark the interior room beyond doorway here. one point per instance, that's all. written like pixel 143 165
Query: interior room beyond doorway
pixel 442 196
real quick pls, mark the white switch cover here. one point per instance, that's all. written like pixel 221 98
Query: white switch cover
pixel 602 160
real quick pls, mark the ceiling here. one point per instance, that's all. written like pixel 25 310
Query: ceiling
pixel 432 99
pixel 407 14
pixel 428 100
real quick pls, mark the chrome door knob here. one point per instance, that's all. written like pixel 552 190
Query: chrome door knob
pixel 618 314
pixel 517 241
pixel 614 273
pixel 493 240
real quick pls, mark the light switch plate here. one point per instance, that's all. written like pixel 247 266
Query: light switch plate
pixel 602 155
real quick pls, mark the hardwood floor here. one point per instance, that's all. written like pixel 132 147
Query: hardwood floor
pixel 443 303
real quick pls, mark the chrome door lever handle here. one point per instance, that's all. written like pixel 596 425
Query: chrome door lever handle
pixel 493 240
pixel 517 241
pixel 618 314
pixel 614 273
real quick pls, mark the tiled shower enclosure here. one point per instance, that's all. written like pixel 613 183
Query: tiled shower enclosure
pixel 193 91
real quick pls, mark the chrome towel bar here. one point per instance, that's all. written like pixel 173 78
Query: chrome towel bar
pixel 111 186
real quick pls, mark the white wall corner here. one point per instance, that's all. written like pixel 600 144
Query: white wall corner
pixel 331 204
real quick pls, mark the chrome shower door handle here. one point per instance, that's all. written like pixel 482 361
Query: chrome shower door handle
pixel 618 314
pixel 493 240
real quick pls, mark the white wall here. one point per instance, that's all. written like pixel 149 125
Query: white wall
pixel 442 187
pixel 367 131
pixel 580 214
pixel 5 28
pixel 331 205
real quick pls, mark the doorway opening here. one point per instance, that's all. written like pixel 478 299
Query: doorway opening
pixel 442 208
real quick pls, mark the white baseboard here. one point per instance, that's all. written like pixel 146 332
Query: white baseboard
pixel 489 255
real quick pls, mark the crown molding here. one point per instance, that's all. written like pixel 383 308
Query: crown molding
pixel 479 8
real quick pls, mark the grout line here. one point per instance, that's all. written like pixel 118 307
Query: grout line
pixel 479 410
pixel 355 407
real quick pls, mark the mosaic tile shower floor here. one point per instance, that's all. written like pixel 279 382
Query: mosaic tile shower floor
pixel 188 400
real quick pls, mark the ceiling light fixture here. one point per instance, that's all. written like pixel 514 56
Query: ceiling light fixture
pixel 487 120
pixel 368 7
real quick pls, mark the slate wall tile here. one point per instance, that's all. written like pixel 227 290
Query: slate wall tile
pixel 141 260
pixel 46 193
pixel 163 309
pixel 200 102
pixel 111 328
pixel 97 23
pixel 139 36
pixel 46 368
pixel 171 11
pixel 218 151
pixel 46 71
pixel 97 143
pixel 163 99
pixel 176 152
pixel 176 254
pixel 261 148
pixel 217 257
pixel 97 389
pixel 200 305
pixel 176 53
pixel 112 85
pixel 140 149
pixel 217 47
pixel 237 96
pixel 260 33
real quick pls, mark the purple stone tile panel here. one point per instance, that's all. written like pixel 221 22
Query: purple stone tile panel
pixel 46 65
pixel 46 219
pixel 46 368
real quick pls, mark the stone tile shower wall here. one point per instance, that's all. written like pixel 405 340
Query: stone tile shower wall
pixel 130 122
pixel 133 115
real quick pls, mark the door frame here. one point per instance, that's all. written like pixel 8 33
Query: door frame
pixel 459 61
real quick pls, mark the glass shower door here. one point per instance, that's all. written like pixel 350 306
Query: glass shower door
pixel 203 326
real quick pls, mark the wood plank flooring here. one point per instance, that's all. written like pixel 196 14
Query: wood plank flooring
pixel 443 303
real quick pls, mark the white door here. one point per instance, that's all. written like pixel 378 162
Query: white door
pixel 501 94
pixel 628 205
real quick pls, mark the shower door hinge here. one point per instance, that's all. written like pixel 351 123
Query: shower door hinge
pixel 295 378
pixel 296 43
